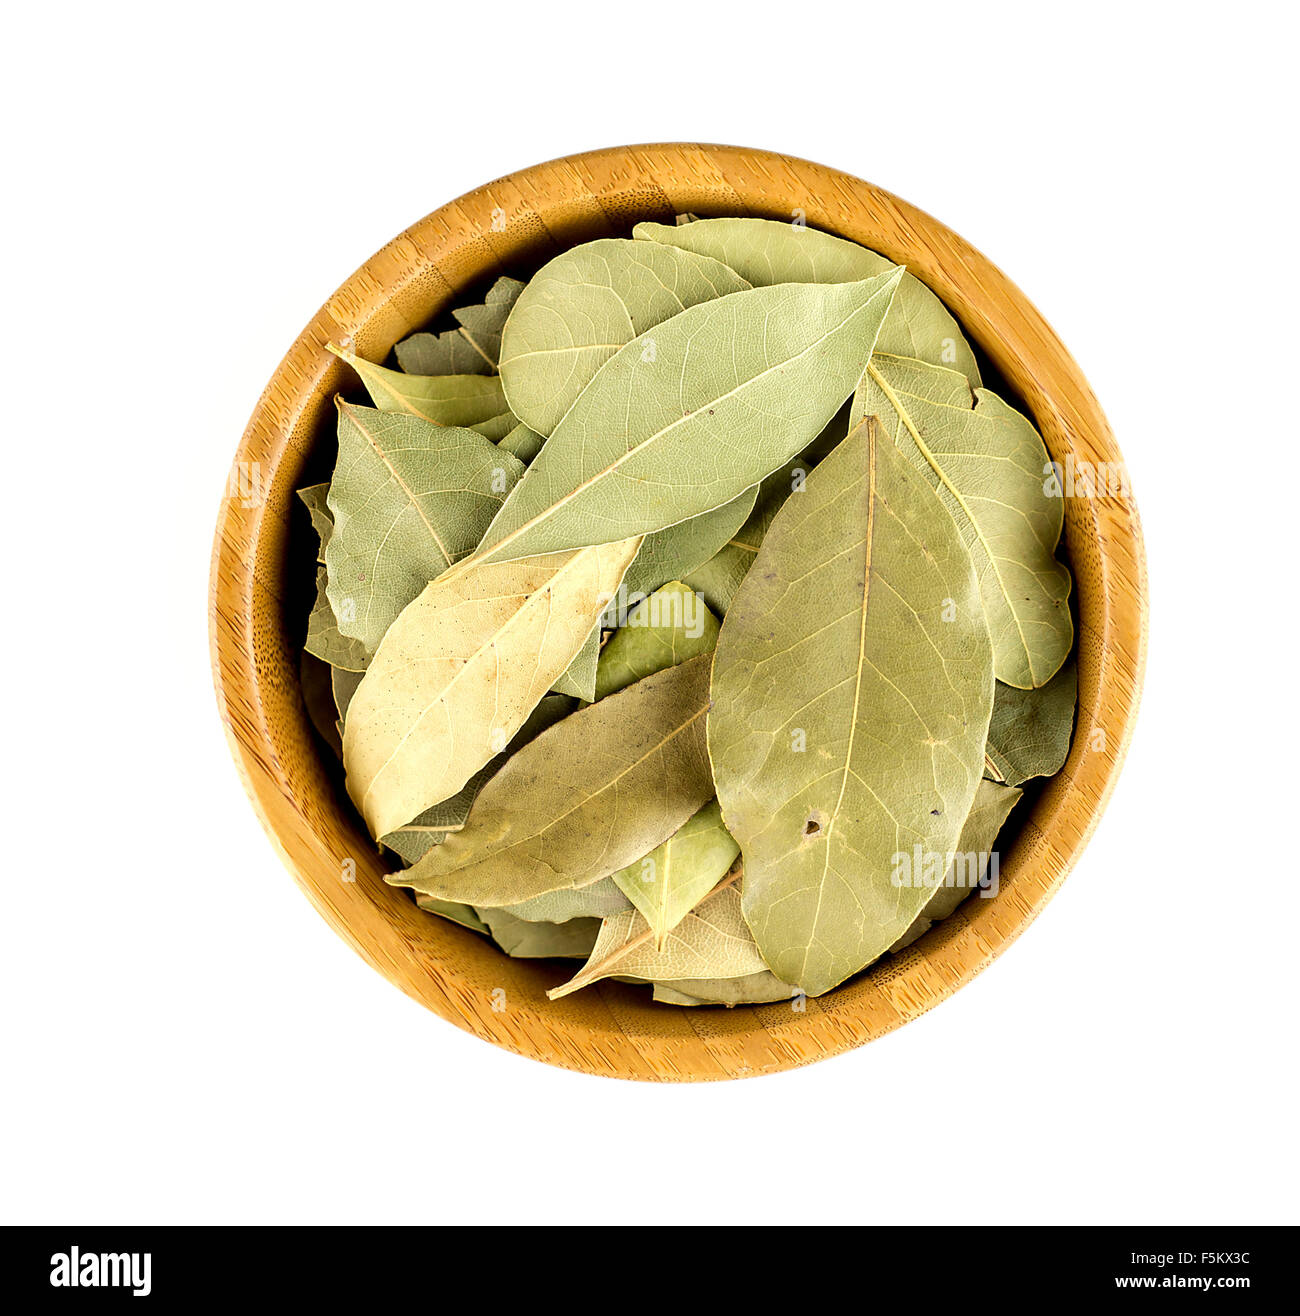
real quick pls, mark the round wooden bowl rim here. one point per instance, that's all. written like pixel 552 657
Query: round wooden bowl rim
pixel 517 221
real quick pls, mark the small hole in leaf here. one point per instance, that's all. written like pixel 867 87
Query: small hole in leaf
pixel 811 827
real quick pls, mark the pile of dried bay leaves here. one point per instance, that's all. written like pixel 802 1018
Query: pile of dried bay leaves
pixel 692 611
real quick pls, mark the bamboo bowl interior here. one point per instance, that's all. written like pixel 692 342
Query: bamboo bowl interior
pixel 512 226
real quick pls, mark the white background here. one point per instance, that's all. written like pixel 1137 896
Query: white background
pixel 185 1040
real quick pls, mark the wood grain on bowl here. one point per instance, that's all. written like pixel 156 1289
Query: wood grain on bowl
pixel 514 224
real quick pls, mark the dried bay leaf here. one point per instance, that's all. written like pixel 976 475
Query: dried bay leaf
pixel 449 353
pixel 987 463
pixel 674 552
pixel 749 989
pixel 522 443
pixel 496 428
pixel 447 909
pixel 584 305
pixel 538 941
pixel 718 579
pixel 471 348
pixel 483 325
pixel 461 400
pixel 712 941
pixel 579 678
pixel 408 499
pixel 584 799
pixel 669 627
pixel 599 900
pixel 1030 730
pixel 461 669
pixel 414 840
pixel 852 689
pixel 965 869
pixel 767 252
pixel 344 685
pixel 737 385
pixel 313 498
pixel 666 884
pixel 324 639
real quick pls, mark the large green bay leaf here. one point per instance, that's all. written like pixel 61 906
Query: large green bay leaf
pixel 1029 732
pixel 670 627
pixel 440 399
pixel 473 347
pixel 584 799
pixel 408 499
pixel 461 669
pixel 712 941
pixel 736 386
pixel 581 307
pixel 767 252
pixel 987 463
pixel 666 884
pixel 852 688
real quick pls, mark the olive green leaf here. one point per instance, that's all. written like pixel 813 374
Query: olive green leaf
pixel 581 307
pixel 408 499
pixel 496 428
pixel 473 347
pixel 523 443
pixel 483 325
pixel 661 631
pixel 749 989
pixel 448 909
pixel 460 670
pixel 852 688
pixel 672 553
pixel 1029 732
pixel 599 900
pixel 987 463
pixel 534 941
pixel 344 684
pixel 735 387
pixel 414 840
pixel 579 678
pixel 767 252
pixel 712 941
pixel 960 873
pixel 440 399
pixel 322 522
pixel 325 640
pixel 449 353
pixel 584 799
pixel 718 579
pixel 666 884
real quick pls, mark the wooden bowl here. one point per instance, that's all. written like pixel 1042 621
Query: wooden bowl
pixel 515 224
